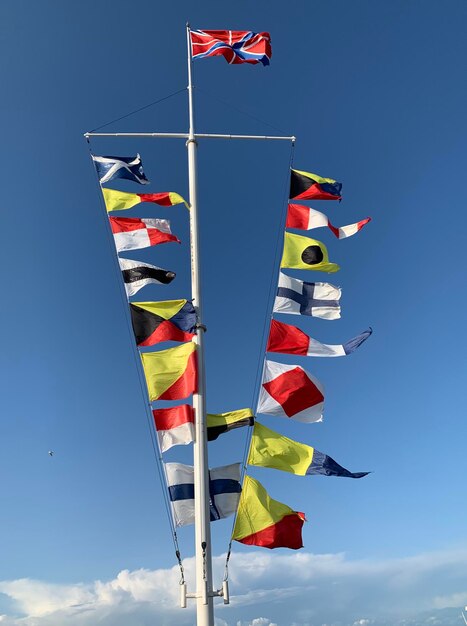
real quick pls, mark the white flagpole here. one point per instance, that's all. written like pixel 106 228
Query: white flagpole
pixel 204 590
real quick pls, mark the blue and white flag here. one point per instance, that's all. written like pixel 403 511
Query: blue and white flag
pixel 301 298
pixel 110 167
pixel 224 491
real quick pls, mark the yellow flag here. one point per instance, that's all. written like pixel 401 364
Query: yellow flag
pixel 262 521
pixel 305 253
pixel 271 449
pixel 170 374
pixel 119 200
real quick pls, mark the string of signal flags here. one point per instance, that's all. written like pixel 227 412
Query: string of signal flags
pixel 287 391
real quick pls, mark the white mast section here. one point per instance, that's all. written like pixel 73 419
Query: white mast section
pixel 204 598
pixel 204 590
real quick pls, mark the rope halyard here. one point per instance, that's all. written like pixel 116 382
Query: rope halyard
pixel 142 382
pixel 259 368
pixel 147 106
pixel 179 559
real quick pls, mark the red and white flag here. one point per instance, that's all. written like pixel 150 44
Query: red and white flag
pixel 292 340
pixel 174 425
pixel 290 391
pixel 131 233
pixel 303 218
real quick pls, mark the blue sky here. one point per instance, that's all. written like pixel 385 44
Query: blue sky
pixel 374 93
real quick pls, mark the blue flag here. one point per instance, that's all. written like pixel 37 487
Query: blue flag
pixel 110 167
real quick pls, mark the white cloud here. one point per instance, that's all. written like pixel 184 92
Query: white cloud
pixel 258 621
pixel 295 589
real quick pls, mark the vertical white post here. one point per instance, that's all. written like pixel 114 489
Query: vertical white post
pixel 204 601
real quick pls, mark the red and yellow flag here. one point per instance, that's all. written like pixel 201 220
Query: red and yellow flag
pixel 171 374
pixel 120 200
pixel 262 521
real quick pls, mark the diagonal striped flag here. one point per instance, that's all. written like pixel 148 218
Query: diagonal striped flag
pixel 290 391
pixel 110 167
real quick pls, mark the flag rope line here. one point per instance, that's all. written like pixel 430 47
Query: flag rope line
pixel 175 93
pixel 142 382
pixel 262 352
pixel 228 104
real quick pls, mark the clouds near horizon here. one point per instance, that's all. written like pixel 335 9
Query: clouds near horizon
pixel 267 589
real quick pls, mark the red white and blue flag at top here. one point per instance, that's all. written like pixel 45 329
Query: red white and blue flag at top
pixel 236 46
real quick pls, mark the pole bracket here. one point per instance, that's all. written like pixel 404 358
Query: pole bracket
pixel 201 327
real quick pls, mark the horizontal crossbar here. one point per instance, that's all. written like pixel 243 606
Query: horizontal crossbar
pixel 186 136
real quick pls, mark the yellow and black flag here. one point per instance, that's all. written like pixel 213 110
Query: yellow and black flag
pixel 305 253
pixel 219 423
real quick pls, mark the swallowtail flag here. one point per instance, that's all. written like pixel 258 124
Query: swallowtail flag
pixel 121 200
pixel 289 339
pixel 136 275
pixel 271 449
pixel 303 218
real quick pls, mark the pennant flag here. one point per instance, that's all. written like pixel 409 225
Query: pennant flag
pixel 304 218
pixel 262 521
pixel 290 391
pixel 299 298
pixel 110 167
pixel 271 449
pixel 307 186
pixel 291 340
pixel 304 253
pixel 171 374
pixel 131 233
pixel 120 200
pixel 174 426
pixel 169 320
pixel 236 46
pixel 136 275
pixel 224 491
pixel 219 423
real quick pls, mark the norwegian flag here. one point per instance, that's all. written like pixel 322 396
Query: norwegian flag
pixel 236 46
